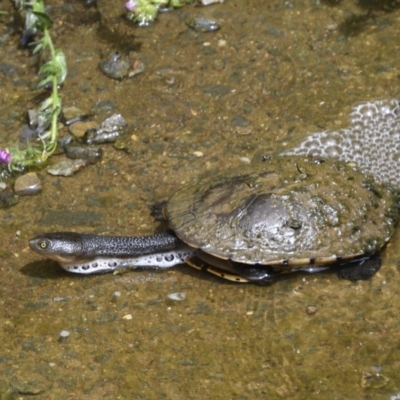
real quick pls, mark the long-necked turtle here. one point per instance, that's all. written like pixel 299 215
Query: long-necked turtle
pixel 277 216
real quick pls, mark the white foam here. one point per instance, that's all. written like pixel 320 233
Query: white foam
pixel 372 141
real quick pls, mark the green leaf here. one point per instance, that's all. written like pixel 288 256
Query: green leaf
pixel 38 46
pixel 46 104
pixel 45 81
pixel 44 21
pixel 46 69
pixel 37 5
pixel 60 62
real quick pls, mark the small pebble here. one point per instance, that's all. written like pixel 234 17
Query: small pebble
pixel 137 68
pixel 202 24
pixel 65 140
pixel 58 299
pixel 93 137
pixel 108 132
pixel 33 116
pixel 221 43
pixel 27 185
pixel 209 2
pixel 27 384
pixel 127 317
pixel 67 167
pixel 113 123
pixel 2 186
pixel 91 154
pixel 177 296
pixel 104 106
pixel 80 128
pixel 245 160
pixel 72 115
pixel 116 295
pixel 63 336
pixel 311 310
pixel 8 200
pixel 116 67
pixel 238 121
pixel 90 3
pixel 332 27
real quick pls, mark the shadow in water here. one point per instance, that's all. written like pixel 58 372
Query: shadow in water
pixel 332 3
pixel 379 5
pixel 354 24
pixel 290 278
pixel 45 269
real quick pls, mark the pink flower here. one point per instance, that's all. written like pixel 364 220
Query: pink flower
pixel 130 5
pixel 5 156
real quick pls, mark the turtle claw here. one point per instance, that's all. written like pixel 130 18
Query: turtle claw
pixel 360 269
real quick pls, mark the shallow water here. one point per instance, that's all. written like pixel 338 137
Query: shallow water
pixel 205 102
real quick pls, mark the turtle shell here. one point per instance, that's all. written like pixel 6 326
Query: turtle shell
pixel 286 212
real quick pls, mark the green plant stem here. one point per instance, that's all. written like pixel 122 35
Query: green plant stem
pixel 52 74
pixel 49 150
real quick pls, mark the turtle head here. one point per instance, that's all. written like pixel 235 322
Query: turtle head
pixel 58 246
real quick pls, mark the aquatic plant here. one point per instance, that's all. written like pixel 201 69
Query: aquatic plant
pixel 144 12
pixel 52 74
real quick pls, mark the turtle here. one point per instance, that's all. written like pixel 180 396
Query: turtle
pixel 292 212
pixel 278 216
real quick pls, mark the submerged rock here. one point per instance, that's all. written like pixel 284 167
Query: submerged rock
pixel 79 129
pixel 117 66
pixel 209 2
pixel 108 131
pixel 72 115
pixel 202 24
pixel 91 154
pixel 27 185
pixel 67 167
pixel 8 200
pixel 179 296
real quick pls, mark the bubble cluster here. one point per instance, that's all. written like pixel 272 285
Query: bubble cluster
pixel 372 141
